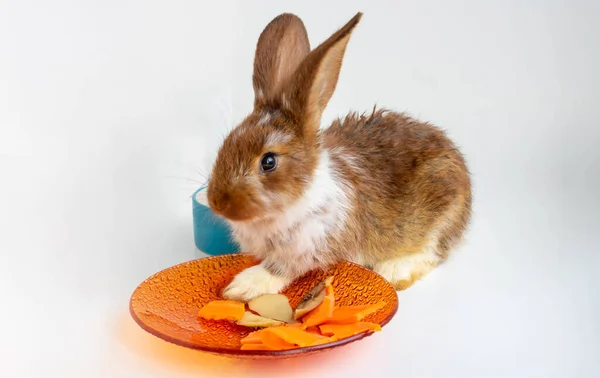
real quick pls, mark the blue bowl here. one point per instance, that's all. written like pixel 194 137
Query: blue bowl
pixel 212 234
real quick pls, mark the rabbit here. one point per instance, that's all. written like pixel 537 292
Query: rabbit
pixel 379 189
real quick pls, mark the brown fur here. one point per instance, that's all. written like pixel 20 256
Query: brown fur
pixel 401 196
pixel 291 88
pixel 281 47
pixel 407 182
pixel 236 181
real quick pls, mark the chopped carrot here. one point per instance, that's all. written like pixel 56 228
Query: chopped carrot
pixel 252 338
pixel 313 329
pixel 341 331
pixel 222 310
pixel 322 312
pixel 296 336
pixel 353 314
pixel 316 331
pixel 254 346
pixel 296 325
pixel 324 324
pixel 273 341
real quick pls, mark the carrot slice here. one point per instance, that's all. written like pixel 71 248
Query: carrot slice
pixel 353 314
pixel 316 331
pixel 322 312
pixel 222 310
pixel 313 329
pixel 253 346
pixel 297 336
pixel 274 342
pixel 252 338
pixel 341 331
pixel 296 325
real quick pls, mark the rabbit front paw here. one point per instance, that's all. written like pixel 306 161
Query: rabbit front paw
pixel 253 282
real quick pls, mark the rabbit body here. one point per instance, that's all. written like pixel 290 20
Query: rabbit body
pixel 381 189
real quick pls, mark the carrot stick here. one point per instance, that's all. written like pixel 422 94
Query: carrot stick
pixel 296 325
pixel 341 331
pixel 353 314
pixel 254 347
pixel 274 341
pixel 322 312
pixel 222 310
pixel 296 336
pixel 313 329
pixel 252 338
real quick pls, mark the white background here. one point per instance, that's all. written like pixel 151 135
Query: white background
pixel 112 111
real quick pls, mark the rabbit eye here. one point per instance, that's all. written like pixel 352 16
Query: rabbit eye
pixel 268 162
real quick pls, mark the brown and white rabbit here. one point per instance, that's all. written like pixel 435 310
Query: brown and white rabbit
pixel 382 190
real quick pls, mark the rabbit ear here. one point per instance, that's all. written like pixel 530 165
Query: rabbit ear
pixel 281 48
pixel 307 93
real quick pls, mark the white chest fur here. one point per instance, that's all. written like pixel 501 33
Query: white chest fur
pixel 295 240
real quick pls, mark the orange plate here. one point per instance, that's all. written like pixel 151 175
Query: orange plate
pixel 167 303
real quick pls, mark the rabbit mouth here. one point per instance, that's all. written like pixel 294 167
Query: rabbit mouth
pixel 241 211
pixel 257 216
pixel 236 214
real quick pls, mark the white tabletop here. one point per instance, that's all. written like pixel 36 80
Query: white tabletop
pixel 108 110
